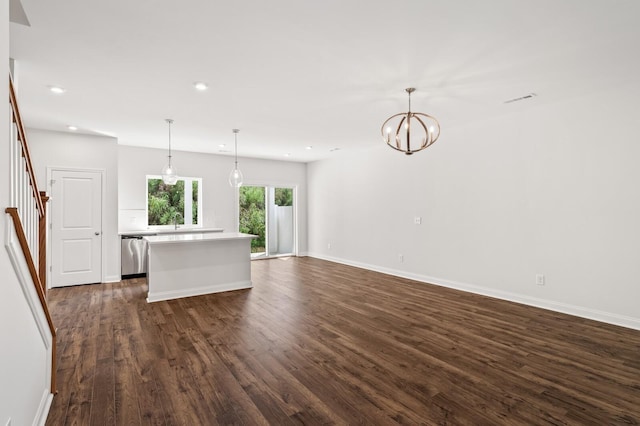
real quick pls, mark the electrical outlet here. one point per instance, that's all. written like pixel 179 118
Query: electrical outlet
pixel 539 279
pixel 417 220
pixel 400 258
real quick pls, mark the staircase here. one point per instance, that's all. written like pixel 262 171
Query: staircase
pixel 26 239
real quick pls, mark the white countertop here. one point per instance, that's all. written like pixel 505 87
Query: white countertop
pixel 195 237
pixel 169 231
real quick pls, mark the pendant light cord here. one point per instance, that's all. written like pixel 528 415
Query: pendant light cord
pixel 169 121
pixel 235 133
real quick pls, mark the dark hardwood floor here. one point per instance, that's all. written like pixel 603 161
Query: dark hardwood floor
pixel 316 342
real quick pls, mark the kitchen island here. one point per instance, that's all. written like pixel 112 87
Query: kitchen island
pixel 184 265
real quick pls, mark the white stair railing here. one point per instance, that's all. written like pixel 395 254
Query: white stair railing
pixel 22 195
pixel 24 189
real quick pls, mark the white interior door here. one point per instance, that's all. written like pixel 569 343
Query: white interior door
pixel 76 227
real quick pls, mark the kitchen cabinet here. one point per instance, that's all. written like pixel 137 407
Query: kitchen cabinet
pixel 184 265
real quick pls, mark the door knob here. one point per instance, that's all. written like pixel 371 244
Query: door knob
pixel 97 233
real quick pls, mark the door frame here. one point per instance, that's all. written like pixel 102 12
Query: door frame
pixel 293 186
pixel 103 200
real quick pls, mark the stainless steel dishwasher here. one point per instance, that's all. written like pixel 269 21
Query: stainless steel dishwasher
pixel 134 256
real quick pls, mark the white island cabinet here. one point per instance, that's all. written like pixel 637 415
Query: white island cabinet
pixel 183 265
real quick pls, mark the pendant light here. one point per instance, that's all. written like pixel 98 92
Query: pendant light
pixel 235 177
pixel 400 126
pixel 169 173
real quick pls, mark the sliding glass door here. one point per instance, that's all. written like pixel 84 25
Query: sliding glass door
pixel 268 211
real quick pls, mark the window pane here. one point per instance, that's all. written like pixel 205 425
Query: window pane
pixel 252 215
pixel 284 197
pixel 194 205
pixel 165 202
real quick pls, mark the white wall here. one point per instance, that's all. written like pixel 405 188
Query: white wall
pixel 24 358
pixel 219 199
pixel 552 189
pixel 69 150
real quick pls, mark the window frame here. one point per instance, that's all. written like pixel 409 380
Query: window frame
pixel 187 205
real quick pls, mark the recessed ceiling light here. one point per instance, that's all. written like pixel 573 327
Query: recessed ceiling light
pixel 309 147
pixel 288 154
pixel 72 128
pixel 199 85
pixel 57 89
pixel 221 145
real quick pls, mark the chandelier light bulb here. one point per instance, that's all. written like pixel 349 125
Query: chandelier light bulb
pixel 169 174
pixel 235 178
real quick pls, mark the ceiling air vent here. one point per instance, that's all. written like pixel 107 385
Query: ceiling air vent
pixel 521 98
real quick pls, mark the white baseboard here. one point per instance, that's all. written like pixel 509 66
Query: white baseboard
pixel 216 288
pixel 112 279
pixel 579 311
pixel 43 409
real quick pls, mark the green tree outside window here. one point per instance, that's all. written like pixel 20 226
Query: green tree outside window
pixel 252 215
pixel 166 203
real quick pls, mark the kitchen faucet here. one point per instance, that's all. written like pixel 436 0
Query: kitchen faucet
pixel 175 220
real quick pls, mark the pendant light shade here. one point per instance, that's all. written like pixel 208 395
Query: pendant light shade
pixel 410 132
pixel 169 172
pixel 235 177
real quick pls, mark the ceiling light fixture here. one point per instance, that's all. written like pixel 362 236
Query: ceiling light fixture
pixel 401 122
pixel 57 89
pixel 235 177
pixel 169 173
pixel 72 128
pixel 199 85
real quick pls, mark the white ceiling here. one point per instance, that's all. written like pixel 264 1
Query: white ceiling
pixel 294 73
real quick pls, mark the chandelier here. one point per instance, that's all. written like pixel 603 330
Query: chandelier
pixel 169 172
pixel 402 130
pixel 235 177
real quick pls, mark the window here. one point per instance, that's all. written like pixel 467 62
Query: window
pixel 283 197
pixel 180 204
pixel 267 211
